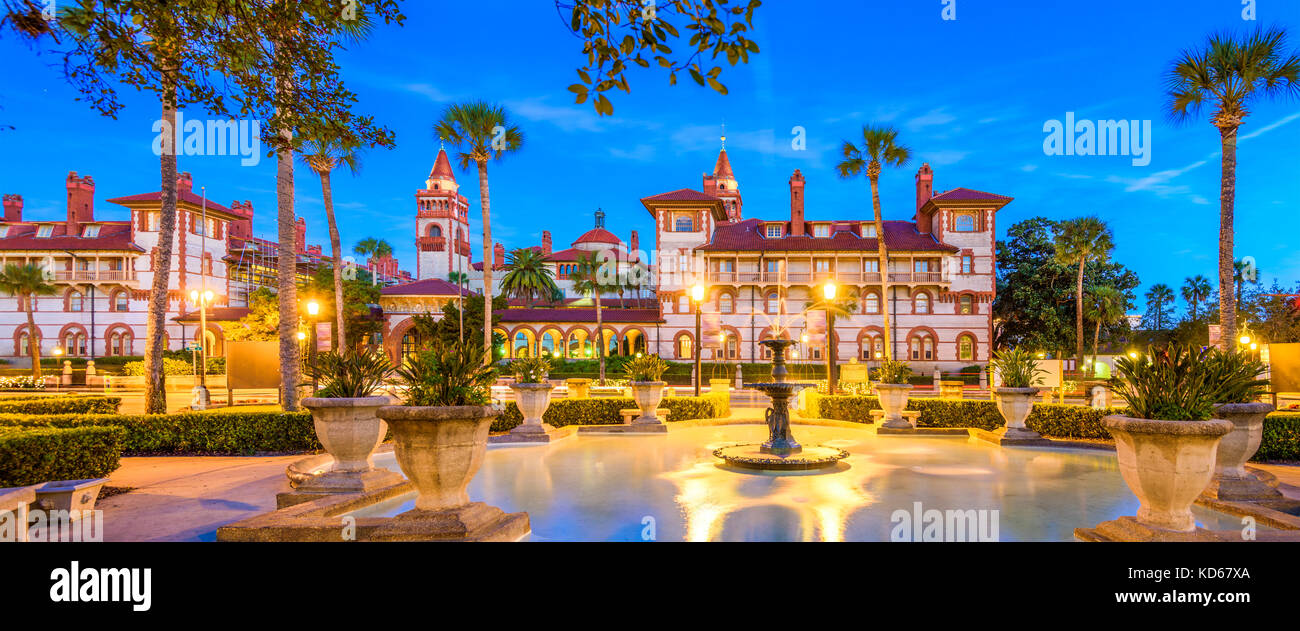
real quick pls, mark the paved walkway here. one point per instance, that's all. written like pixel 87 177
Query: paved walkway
pixel 187 498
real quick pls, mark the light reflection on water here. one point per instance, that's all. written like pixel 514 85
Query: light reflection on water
pixel 600 488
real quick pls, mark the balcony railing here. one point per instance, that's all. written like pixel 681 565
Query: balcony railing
pixel 431 244
pixel 786 277
pixel 93 275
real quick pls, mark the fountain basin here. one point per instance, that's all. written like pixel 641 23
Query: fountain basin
pixel 754 456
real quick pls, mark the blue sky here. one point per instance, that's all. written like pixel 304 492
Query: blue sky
pixel 969 96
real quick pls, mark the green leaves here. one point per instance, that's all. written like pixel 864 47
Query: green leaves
pixel 645 368
pixel 529 276
pixel 1017 368
pixel 448 375
pixel 1169 385
pixel 530 369
pixel 892 371
pixel 617 33
pixel 351 373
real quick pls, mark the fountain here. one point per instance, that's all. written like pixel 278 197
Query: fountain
pixel 781 452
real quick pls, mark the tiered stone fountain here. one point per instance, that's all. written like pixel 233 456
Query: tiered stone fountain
pixel 781 452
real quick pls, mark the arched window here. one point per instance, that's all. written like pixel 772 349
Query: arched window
pixel 966 348
pixel 121 301
pixel 435 230
pixel 921 302
pixel 873 302
pixel 75 301
pixel 965 223
pixel 725 303
pixel 967 305
pixel 731 347
pixel 683 304
pixel 521 345
pixel 773 302
pixel 922 347
pixel 685 350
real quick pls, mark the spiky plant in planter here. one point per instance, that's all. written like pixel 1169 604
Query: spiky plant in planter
pixel 440 435
pixel 344 413
pixel 1019 373
pixel 532 396
pixel 531 369
pixel 1017 368
pixel 1238 389
pixel 1168 447
pixel 892 387
pixel 645 373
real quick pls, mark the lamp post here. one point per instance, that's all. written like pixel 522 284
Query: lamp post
pixel 828 293
pixel 201 399
pixel 697 296
pixel 313 308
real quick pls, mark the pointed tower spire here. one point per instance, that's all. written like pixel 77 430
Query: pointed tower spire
pixel 442 167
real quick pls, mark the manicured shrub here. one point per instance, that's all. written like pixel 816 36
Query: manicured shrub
pixel 43 454
pixel 226 432
pixel 604 411
pixel 1070 421
pixel 61 405
pixel 1281 440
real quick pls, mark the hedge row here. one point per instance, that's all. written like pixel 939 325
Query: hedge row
pixel 43 454
pixel 214 432
pixel 604 411
pixel 60 405
pixel 1281 439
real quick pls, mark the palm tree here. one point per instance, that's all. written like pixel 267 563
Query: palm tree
pixel 1158 296
pixel 1230 73
pixel 879 147
pixel 25 282
pixel 461 280
pixel 1105 305
pixel 587 279
pixel 530 276
pixel 1079 242
pixel 483 132
pixel 1195 290
pixel 373 248
pixel 323 156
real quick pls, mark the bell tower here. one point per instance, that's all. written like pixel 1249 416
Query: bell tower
pixel 722 184
pixel 441 224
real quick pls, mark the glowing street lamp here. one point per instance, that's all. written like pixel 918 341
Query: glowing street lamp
pixel 202 400
pixel 1245 340
pixel 828 292
pixel 697 296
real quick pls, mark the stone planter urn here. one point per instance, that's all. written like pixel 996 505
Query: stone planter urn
pixel 647 395
pixel 440 449
pixel 350 431
pixel 1166 464
pixel 578 388
pixel 532 399
pixel 893 400
pixel 1232 482
pixel 1015 404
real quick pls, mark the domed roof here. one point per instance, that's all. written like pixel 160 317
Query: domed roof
pixel 598 235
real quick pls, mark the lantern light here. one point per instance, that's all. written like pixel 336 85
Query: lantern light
pixel 829 290
pixel 697 292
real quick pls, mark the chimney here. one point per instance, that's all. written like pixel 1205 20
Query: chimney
pixel 81 202
pixel 13 208
pixel 241 228
pixel 796 204
pixel 300 229
pixel 633 244
pixel 498 256
pixel 184 182
pixel 924 191
pixel 546 243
